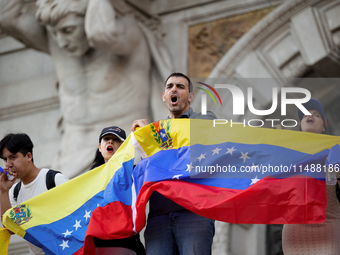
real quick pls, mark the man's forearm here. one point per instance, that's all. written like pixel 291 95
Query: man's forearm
pixel 22 26
pixel 105 31
pixel 10 11
pixel 100 22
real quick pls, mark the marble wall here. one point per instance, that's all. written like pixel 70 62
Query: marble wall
pixel 29 98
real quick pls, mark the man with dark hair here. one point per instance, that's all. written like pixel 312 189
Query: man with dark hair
pixel 17 152
pixel 22 144
pixel 171 229
pixel 191 88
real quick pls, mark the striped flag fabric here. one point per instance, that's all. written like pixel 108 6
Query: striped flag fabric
pixel 234 174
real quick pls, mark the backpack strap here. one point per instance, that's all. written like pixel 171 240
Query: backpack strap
pixel 16 190
pixel 50 178
pixel 50 183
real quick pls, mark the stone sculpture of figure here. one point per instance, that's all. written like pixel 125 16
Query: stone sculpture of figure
pixel 104 58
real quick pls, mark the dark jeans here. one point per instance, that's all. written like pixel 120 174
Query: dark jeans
pixel 181 232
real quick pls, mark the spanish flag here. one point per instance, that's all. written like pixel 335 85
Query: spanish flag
pixel 234 174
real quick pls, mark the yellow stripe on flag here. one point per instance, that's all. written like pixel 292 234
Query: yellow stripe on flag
pixel 5 236
pixel 194 131
pixel 204 132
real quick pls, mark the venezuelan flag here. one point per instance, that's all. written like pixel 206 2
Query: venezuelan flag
pixel 97 203
pixel 234 174
pixel 109 202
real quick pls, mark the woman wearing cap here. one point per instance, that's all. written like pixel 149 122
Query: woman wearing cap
pixel 110 140
pixel 323 238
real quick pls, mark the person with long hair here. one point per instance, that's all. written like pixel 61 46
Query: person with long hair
pixel 110 140
pixel 322 238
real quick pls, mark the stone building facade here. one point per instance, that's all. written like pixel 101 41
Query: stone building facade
pixel 208 39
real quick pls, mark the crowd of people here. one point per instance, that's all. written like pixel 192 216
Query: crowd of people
pixel 171 229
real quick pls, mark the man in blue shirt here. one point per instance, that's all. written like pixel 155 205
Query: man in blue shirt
pixel 172 229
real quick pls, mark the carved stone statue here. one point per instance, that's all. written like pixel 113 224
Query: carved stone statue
pixel 104 53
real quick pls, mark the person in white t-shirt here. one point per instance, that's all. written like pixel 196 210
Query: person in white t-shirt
pixel 17 152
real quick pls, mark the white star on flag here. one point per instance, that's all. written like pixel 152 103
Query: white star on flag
pixel 177 176
pixel 67 233
pixel 216 151
pixel 87 215
pixel 77 225
pixel 230 151
pixel 244 156
pixel 64 244
pixel 255 180
pixel 189 167
pixel 201 157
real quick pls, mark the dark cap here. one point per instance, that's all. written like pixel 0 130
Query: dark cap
pixel 313 104
pixel 120 133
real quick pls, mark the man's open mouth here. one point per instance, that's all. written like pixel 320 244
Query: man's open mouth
pixel 173 99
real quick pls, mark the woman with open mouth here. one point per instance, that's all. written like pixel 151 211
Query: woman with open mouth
pixel 110 140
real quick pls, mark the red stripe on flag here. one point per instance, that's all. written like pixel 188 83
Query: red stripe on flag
pixel 298 200
pixel 113 221
pixel 270 201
